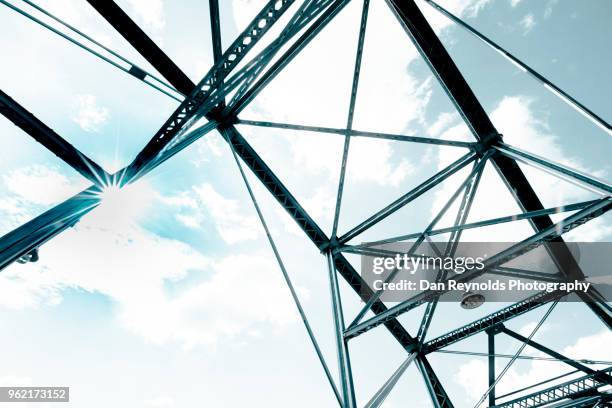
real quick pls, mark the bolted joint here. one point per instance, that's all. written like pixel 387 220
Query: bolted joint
pixel 487 142
pixel 330 245
pixel 498 328
pixel 218 115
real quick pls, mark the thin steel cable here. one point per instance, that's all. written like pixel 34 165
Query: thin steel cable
pixel 560 93
pixel 89 49
pixel 563 360
pixel 351 113
pixel 285 275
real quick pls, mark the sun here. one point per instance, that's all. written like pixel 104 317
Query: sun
pixel 123 206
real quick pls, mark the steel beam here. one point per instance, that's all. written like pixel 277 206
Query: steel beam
pixel 267 177
pixel 592 116
pixel 475 117
pixel 516 250
pixel 599 376
pixel 568 390
pixel 358 133
pixel 36 232
pixel 215 29
pixel 484 223
pixel 330 12
pixel 492 320
pixel 52 222
pixel 439 397
pixel 125 26
pixel 409 196
pixel 384 391
pixel 351 113
pixel 190 108
pixel 44 135
pixel 559 170
pixel 344 363
pixel 133 70
pixel 491 366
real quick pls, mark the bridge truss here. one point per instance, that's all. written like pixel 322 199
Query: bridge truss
pixel 236 78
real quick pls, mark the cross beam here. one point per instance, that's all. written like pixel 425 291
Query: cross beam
pixel 47 137
pixel 143 44
pixel 474 115
pixel 603 377
pixel 571 389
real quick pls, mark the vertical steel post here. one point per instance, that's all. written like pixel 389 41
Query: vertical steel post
pixel 491 351
pixel 344 364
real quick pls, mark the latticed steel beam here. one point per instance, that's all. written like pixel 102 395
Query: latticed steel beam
pixel 492 320
pixel 44 135
pixel 603 377
pixel 330 10
pixel 52 222
pixel 307 12
pixel 47 225
pixel 143 44
pixel 439 397
pixel 570 389
pixel 191 107
pixel 526 274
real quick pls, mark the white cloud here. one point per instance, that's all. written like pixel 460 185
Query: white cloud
pixel 143 275
pixel 595 347
pixel 245 10
pixel 462 8
pixel 108 253
pixel 527 23
pixel 41 185
pixel 203 202
pixel 369 160
pixel 444 120
pixel 515 3
pixel 549 8
pixel 471 376
pixel 244 291
pixel 88 114
pixel 30 190
pixel 160 402
pixel 150 11
pixel 393 101
pixel 15 381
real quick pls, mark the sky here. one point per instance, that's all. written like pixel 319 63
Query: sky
pixel 168 294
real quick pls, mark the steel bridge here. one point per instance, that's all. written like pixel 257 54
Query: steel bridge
pixel 236 78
